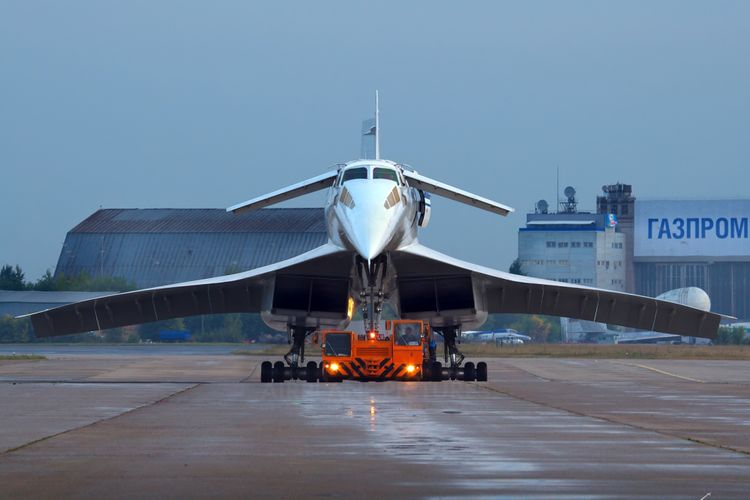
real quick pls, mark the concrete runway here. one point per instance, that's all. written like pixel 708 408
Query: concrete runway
pixel 94 424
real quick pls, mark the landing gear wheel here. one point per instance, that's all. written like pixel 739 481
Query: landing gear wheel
pixel 470 373
pixel 481 371
pixel 266 372
pixel 426 371
pixel 437 371
pixel 312 372
pixel 278 371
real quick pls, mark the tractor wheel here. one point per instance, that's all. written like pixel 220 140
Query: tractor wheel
pixel 481 371
pixel 312 372
pixel 469 372
pixel 266 372
pixel 278 372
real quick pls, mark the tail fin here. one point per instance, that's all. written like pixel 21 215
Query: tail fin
pixel 371 135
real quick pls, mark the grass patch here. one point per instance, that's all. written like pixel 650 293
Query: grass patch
pixel 21 357
pixel 591 351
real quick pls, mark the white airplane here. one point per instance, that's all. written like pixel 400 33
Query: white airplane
pixel 503 335
pixel 373 212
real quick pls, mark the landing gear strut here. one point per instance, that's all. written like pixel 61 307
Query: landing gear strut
pixel 297 335
pixel 372 276
pixel 450 351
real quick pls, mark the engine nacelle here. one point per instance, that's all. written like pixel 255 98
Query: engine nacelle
pixel 425 209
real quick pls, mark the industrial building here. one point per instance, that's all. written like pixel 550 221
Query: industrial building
pixel 152 247
pixel 701 243
pixel 619 201
pixel 573 247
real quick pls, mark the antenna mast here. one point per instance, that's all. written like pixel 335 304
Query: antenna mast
pixel 557 189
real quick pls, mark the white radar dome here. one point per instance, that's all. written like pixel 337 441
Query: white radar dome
pixel 691 296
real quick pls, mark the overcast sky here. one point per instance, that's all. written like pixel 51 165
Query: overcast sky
pixel 204 104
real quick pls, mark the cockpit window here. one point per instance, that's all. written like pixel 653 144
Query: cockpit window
pixel 354 173
pixel 338 344
pixel 385 173
pixel 407 334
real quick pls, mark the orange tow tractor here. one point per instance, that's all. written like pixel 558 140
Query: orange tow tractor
pixel 401 353
pixel 404 352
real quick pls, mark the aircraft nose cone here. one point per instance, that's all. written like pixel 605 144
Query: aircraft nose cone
pixel 368 241
pixel 370 224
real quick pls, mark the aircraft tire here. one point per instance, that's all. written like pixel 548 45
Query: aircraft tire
pixel 266 372
pixel 437 371
pixel 426 371
pixel 312 372
pixel 469 372
pixel 481 371
pixel 278 372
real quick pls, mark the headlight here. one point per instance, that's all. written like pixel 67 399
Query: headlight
pixel 410 369
pixel 334 367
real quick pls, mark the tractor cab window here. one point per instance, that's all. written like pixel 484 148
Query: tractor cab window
pixel 354 173
pixel 338 344
pixel 407 334
pixel 385 173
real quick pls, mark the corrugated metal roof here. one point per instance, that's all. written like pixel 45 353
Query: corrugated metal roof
pixel 202 220
pixel 152 247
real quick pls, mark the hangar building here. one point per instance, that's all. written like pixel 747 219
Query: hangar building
pixel 152 247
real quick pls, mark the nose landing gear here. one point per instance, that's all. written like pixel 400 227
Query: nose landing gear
pixel 372 275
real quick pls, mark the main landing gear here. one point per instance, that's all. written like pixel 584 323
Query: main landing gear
pixel 295 367
pixel 455 368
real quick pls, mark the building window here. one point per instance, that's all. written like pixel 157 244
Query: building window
pixel 550 262
pixel 563 262
pixel 575 280
pixel 624 210
pixel 588 244
pixel 588 281
pixel 575 244
pixel 562 244
pixel 551 244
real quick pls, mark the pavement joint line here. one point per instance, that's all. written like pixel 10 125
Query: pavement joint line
pixel 663 372
pixel 91 424
pixel 247 379
pixel 612 420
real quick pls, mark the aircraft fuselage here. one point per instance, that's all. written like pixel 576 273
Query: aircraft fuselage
pixel 371 209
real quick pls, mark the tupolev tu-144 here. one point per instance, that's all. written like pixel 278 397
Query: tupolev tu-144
pixel 374 210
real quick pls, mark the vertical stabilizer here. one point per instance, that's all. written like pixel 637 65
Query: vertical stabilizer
pixel 368 139
pixel 371 135
pixel 377 127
